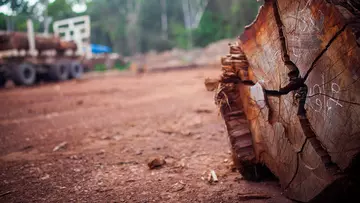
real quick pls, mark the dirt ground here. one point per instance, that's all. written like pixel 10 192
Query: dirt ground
pixel 106 128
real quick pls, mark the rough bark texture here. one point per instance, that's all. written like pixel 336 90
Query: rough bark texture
pixel 298 84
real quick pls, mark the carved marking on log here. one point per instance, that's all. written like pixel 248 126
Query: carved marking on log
pixel 337 88
pixel 324 104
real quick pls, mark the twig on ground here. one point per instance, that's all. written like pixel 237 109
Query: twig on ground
pixel 60 146
pixel 246 197
pixel 6 193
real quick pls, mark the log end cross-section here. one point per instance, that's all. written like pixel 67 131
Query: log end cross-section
pixel 295 75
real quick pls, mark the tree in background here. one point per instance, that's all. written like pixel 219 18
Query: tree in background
pixel 221 19
pixel 19 11
pixel 134 26
pixel 41 12
pixel 112 22
pixel 224 19
pixel 164 19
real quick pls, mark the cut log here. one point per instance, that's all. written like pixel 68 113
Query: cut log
pixel 19 40
pixel 297 82
pixel 65 45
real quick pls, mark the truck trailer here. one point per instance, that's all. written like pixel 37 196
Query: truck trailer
pixel 26 58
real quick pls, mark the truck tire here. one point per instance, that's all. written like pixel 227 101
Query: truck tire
pixel 297 84
pixel 2 80
pixel 59 71
pixel 76 70
pixel 24 74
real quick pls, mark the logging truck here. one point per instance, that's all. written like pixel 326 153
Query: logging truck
pixel 26 58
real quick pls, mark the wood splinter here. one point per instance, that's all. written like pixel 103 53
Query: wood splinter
pixel 213 177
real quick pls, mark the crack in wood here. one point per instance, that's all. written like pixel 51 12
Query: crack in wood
pixel 352 6
pixel 310 134
pixel 343 70
pixel 337 34
pixel 293 69
pixel 302 115
pixel 296 83
pixel 296 170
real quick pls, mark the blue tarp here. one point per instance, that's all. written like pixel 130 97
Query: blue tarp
pixel 98 49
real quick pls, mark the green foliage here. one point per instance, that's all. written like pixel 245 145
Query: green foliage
pixel 210 29
pixel 60 9
pixel 121 66
pixel 220 21
pixel 3 22
pixel 20 22
pixel 20 10
pixel 16 6
pixel 246 12
pixel 100 68
pixel 180 35
pixel 108 23
pixel 118 66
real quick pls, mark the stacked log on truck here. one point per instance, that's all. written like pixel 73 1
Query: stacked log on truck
pixel 19 41
pixel 290 97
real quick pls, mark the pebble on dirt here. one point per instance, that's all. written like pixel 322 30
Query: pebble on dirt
pixel 80 102
pixel 178 186
pixel 156 163
pixel 203 111
pixel 47 176
pixel 139 152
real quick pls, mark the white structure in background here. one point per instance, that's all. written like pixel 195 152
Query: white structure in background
pixel 193 12
pixel 78 30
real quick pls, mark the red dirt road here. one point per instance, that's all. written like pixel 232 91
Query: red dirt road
pixel 111 126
